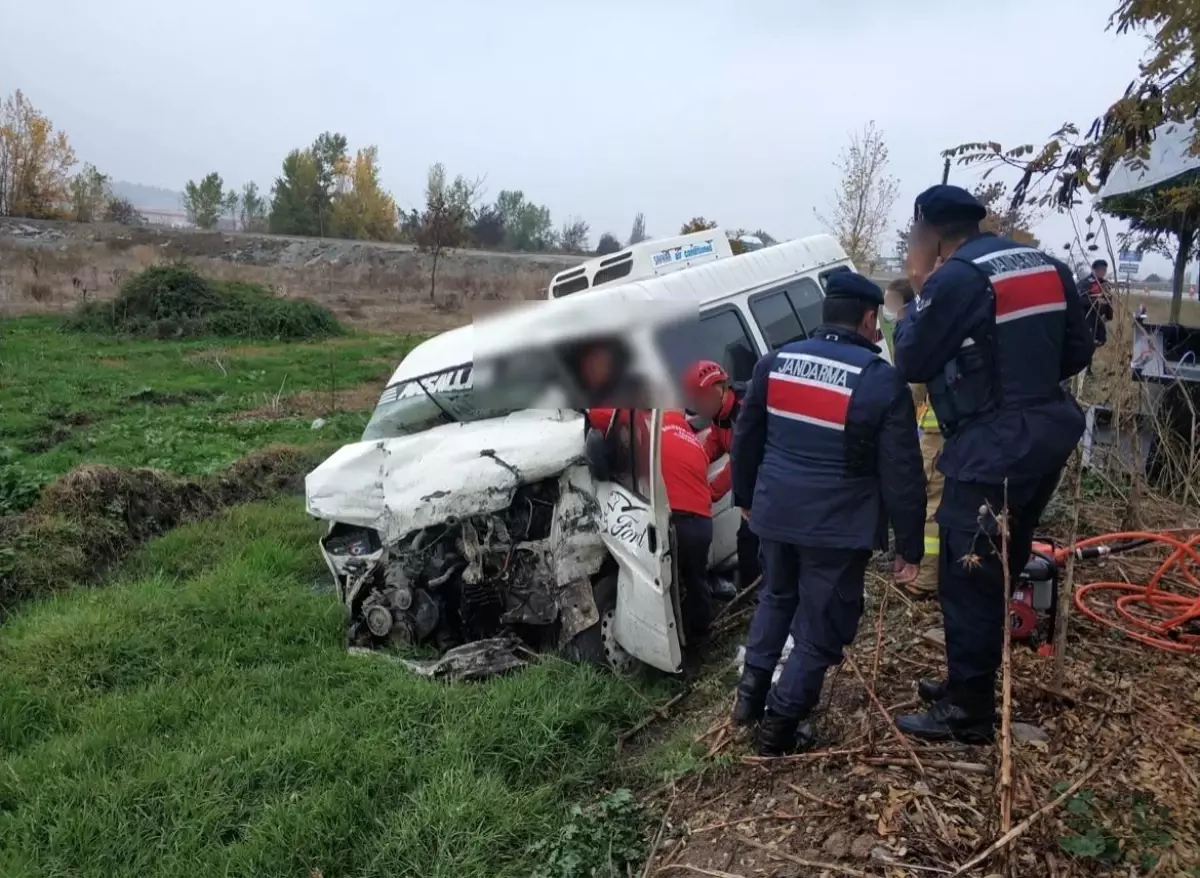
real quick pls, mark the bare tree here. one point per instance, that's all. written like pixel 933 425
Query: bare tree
pixel 862 207
pixel 638 234
pixel 575 235
pixel 449 209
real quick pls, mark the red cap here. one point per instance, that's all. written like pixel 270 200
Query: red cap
pixel 702 375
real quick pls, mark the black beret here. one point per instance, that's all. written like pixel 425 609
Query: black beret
pixel 943 204
pixel 849 285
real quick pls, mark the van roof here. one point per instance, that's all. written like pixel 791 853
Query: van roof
pixel 569 315
pixel 698 285
pixel 639 261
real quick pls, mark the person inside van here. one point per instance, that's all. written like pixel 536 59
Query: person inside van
pixel 601 367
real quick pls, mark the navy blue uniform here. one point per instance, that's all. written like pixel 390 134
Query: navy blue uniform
pixel 826 445
pixel 994 332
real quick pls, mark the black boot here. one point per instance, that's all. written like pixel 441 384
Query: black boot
pixel 945 721
pixel 779 735
pixel 752 692
pixel 930 691
pixel 722 589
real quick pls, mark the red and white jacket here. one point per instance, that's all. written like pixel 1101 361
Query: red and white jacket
pixel 685 458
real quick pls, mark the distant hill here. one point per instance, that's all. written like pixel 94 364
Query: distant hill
pixel 148 196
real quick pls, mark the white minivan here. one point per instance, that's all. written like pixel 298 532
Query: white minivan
pixel 459 518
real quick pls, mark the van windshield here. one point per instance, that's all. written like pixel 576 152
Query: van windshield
pixel 428 401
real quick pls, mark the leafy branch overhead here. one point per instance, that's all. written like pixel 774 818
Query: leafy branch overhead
pixel 1074 164
pixel 1166 90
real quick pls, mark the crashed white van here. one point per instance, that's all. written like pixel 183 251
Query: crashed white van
pixel 461 518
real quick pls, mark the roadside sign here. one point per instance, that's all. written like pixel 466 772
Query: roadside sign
pixel 1129 256
pixel 1129 268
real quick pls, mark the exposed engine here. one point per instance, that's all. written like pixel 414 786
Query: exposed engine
pixel 468 579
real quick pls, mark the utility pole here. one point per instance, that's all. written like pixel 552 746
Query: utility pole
pixel 946 171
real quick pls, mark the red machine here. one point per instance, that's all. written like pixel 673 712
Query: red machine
pixel 1034 606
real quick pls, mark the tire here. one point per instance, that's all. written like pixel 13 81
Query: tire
pixel 596 645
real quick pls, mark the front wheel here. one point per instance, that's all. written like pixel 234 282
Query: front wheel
pixel 597 644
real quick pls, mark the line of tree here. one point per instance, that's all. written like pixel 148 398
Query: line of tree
pixel 322 191
pixel 36 179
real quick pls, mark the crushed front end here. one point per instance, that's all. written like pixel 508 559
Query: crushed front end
pixel 524 571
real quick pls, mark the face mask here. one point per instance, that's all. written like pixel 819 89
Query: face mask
pixel 888 315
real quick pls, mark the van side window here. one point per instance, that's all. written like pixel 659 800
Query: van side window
pixel 806 298
pixel 725 339
pixel 789 314
pixel 775 317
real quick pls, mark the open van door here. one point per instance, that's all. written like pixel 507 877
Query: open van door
pixel 636 527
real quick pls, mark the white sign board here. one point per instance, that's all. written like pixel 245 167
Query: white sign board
pixel 1170 156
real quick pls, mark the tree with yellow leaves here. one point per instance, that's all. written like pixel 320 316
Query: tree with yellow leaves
pixel 361 208
pixel 35 162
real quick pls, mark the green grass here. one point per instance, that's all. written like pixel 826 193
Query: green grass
pixel 202 717
pixel 70 398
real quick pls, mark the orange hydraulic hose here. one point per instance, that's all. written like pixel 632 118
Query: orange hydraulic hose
pixel 1161 616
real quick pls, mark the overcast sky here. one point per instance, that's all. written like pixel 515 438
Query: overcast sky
pixel 735 111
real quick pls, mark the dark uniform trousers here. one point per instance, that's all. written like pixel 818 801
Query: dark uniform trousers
pixel 816 595
pixel 693 539
pixel 971 577
pixel 749 562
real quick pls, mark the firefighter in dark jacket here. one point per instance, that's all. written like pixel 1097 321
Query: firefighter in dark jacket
pixel 713 396
pixel 826 446
pixel 995 328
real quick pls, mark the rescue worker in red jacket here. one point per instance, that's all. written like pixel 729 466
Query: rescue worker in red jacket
pixel 713 396
pixel 684 465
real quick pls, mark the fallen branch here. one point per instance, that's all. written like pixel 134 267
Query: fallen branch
pixel 800 791
pixel 737 599
pixel 730 623
pixel 718 745
pixel 658 713
pixel 713 873
pixel 658 837
pixel 891 722
pixel 1022 827
pixel 715 826
pixel 713 729
pixel 1006 764
pixel 800 757
pixel 875 660
pixel 800 861
pixel 1067 587
pixel 901 762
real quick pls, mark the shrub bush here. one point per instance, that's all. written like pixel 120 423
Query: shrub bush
pixel 176 302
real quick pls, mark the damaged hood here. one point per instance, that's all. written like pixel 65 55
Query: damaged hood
pixel 397 486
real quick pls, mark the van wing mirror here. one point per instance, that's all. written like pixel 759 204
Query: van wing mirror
pixel 596 455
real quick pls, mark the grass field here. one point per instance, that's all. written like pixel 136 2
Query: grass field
pixel 189 407
pixel 198 714
pixel 201 717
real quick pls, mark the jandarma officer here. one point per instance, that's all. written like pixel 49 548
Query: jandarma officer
pixel 995 328
pixel 826 446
